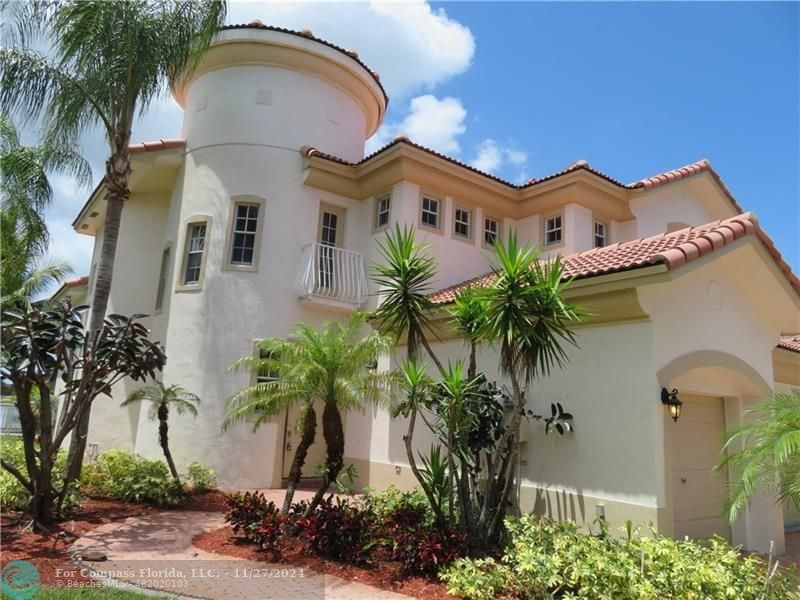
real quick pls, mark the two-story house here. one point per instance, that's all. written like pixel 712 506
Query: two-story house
pixel 266 213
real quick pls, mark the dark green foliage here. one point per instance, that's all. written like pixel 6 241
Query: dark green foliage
pixel 127 476
pixel 41 347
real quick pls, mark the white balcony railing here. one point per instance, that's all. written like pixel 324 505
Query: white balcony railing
pixel 333 274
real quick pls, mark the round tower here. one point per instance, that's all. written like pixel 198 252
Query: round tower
pixel 242 220
pixel 266 85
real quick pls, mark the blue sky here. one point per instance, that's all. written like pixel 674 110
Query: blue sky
pixel 638 88
pixel 525 89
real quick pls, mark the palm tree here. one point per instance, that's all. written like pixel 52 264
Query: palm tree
pixel 327 365
pixel 769 456
pixel 25 193
pixel 526 314
pixel 162 399
pixel 110 61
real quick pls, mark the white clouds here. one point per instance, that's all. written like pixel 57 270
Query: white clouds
pixel 412 46
pixel 489 158
pixel 439 124
pixel 431 122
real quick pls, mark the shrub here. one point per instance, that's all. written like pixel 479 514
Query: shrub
pixel 384 503
pixel 477 579
pixel 421 547
pixel 13 495
pixel 127 476
pixel 257 518
pixel 201 479
pixel 340 530
pixel 544 557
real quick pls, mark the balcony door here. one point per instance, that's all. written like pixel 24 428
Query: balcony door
pixel 330 235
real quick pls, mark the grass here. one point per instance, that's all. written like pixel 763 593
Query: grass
pixel 53 593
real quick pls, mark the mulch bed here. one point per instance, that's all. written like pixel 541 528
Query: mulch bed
pixel 384 575
pixel 48 552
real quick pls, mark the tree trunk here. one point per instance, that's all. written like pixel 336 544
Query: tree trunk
pixel 334 440
pixel 118 171
pixel 43 500
pixel 163 439
pixel 296 471
pixel 472 370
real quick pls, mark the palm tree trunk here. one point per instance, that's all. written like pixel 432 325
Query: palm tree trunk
pixel 296 471
pixel 163 439
pixel 118 170
pixel 334 440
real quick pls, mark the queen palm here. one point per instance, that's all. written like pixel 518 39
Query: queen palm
pixel 327 365
pixel 769 456
pixel 25 193
pixel 163 399
pixel 108 62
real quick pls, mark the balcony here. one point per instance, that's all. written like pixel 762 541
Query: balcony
pixel 332 277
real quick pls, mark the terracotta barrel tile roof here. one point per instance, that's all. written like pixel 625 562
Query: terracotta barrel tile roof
pixel 161 144
pixel 77 282
pixel 790 342
pixel 307 33
pixel 671 249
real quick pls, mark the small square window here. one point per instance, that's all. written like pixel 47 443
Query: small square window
pixel 430 212
pixel 600 234
pixel 552 230
pixel 463 223
pixel 266 372
pixel 382 211
pixel 491 229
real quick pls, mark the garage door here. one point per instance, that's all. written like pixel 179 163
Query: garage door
pixel 698 493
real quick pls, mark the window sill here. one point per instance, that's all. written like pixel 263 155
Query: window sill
pixel 189 287
pixel 242 268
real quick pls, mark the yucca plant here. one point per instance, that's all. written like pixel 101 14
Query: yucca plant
pixel 163 399
pixel 768 454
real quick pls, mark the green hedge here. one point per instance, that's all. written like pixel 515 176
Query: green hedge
pixel 126 476
pixel 13 496
pixel 547 559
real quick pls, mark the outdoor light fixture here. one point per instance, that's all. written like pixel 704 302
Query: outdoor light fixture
pixel 673 403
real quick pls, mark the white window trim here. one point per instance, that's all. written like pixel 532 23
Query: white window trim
pixel 606 230
pixel 499 232
pixel 470 224
pixel 378 199
pixel 235 202
pixel 544 230
pixel 193 220
pixel 158 307
pixel 440 213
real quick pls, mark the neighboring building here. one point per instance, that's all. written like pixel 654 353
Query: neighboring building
pixel 266 213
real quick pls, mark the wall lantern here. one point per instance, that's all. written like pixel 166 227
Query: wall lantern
pixel 672 402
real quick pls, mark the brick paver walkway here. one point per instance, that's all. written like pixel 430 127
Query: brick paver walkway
pixel 156 552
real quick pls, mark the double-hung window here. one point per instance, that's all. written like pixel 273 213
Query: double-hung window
pixel 382 210
pixel 243 235
pixel 431 209
pixel 491 229
pixel 195 247
pixel 462 227
pixel 552 230
pixel 600 234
